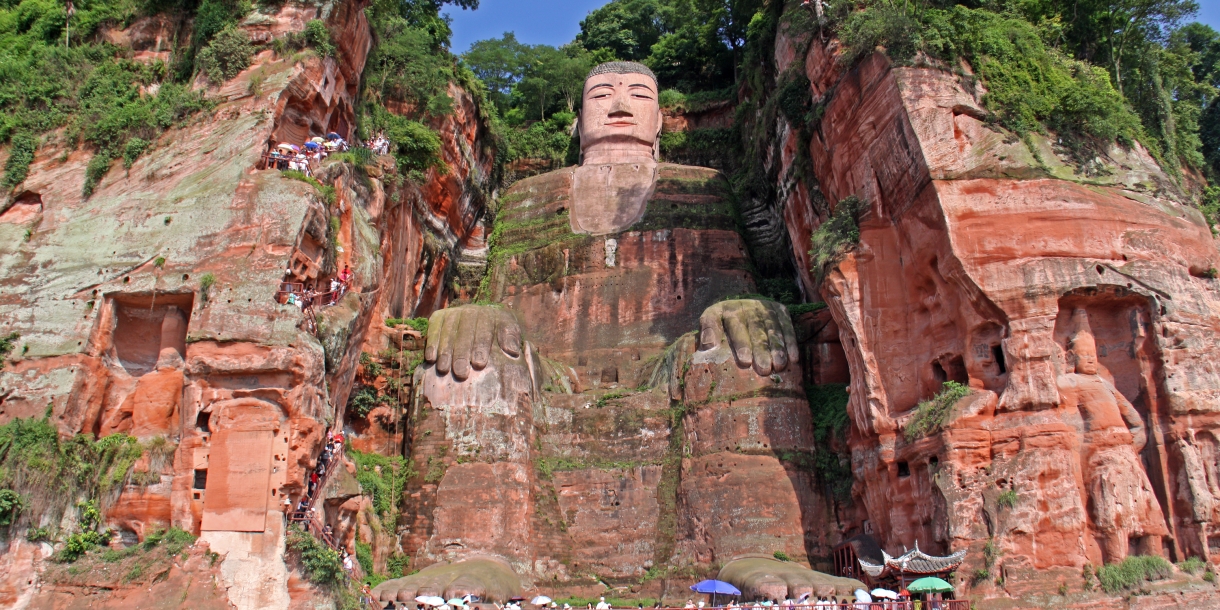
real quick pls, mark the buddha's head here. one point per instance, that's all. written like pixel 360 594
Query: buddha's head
pixel 1083 347
pixel 620 118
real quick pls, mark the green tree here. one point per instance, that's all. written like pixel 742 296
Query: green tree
pixel 627 28
pixel 499 63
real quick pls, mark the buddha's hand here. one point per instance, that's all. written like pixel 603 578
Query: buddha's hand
pixel 759 333
pixel 462 338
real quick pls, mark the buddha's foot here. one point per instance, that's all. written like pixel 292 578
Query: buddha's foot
pixel 488 579
pixel 765 578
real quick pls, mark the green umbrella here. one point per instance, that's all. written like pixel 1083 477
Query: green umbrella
pixel 929 585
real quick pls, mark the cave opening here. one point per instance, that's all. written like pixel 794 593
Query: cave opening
pixel 146 324
pixel 997 353
pixel 904 469
pixel 201 479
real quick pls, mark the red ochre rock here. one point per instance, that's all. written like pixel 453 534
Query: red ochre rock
pixel 977 264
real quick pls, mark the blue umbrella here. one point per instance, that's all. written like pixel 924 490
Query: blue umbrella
pixel 715 587
pixel 333 136
pixel 311 145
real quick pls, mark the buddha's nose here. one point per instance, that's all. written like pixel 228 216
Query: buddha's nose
pixel 620 109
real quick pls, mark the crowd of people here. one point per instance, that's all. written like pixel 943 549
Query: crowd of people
pixel 379 144
pixel 288 156
pixel 305 512
pixel 310 294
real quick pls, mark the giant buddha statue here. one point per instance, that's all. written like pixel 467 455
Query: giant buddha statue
pixel 615 281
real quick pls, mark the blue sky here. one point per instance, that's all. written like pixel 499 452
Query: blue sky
pixel 556 22
pixel 552 22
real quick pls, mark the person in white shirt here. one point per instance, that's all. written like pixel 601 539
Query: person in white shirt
pixel 602 605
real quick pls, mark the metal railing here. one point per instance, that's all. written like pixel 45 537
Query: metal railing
pixel 308 518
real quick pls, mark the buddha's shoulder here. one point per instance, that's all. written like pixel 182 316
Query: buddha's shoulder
pixel 549 193
pixel 673 179
pixel 538 195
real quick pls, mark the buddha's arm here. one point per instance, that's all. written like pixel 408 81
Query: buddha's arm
pixel 1135 423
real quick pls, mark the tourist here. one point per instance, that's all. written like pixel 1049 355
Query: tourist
pixel 690 603
pixel 345 276
pixel 347 562
pixel 602 605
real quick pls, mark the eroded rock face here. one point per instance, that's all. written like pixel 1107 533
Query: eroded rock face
pixel 980 265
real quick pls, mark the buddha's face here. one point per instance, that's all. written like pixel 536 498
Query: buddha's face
pixel 1084 349
pixel 620 112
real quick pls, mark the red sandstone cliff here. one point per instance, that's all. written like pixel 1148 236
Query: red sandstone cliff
pixel 120 334
pixel 983 262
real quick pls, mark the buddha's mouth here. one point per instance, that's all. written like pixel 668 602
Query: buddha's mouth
pixel 620 124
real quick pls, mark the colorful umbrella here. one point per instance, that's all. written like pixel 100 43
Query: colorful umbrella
pixel 929 584
pixel 311 146
pixel 318 139
pixel 541 600
pixel 333 136
pixel 287 146
pixel 714 588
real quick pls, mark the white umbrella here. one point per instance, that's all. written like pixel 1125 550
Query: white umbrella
pixel 863 596
pixel 541 600
pixel 885 594
pixel 430 600
pixel 457 602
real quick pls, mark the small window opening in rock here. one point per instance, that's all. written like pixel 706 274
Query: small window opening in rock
pixel 202 420
pixel 904 469
pixel 938 373
pixel 201 479
pixel 933 462
pixel 186 276
pixel 997 352
pixel 1100 270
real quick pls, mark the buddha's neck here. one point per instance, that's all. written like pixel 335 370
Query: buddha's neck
pixel 617 153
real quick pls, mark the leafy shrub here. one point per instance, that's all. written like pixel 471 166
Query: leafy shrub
pixel 782 556
pixel 418 324
pixel 1132 572
pixel 95 171
pixel 363 401
pixel 931 415
pixel 132 151
pixel 10 506
pixel 318 37
pixel 20 155
pixel 549 139
pixel 7 343
pixel 320 563
pixel 828 407
pixel 226 56
pixel 1192 565
pixel 833 237
pixel 382 478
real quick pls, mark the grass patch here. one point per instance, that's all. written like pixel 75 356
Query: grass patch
pixel 1008 499
pixel 1192 565
pixel 327 192
pixel 1132 572
pixel 930 415
pixel 419 324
